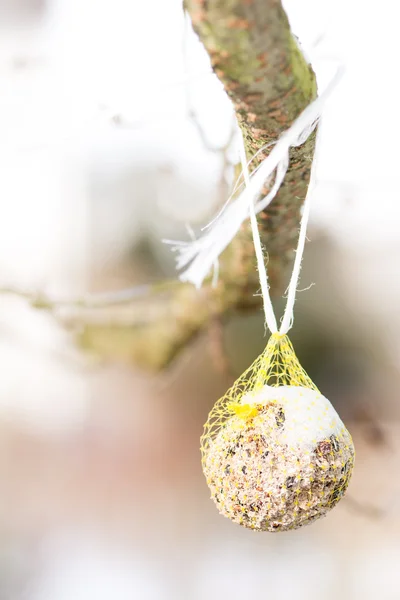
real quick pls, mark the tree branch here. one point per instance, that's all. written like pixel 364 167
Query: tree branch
pixel 255 55
pixel 257 59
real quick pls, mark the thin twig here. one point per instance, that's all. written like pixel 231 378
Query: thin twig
pixel 40 300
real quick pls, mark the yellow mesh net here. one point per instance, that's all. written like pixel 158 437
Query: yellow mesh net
pixel 275 453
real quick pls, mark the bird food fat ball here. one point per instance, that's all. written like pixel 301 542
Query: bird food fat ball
pixel 276 455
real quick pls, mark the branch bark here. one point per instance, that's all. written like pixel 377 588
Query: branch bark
pixel 254 54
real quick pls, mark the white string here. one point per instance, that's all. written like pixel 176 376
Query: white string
pixel 270 318
pixel 288 316
pixel 199 256
pixel 238 183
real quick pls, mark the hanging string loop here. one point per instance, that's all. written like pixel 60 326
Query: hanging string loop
pixel 288 315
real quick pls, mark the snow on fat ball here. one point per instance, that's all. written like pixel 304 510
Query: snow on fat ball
pixel 282 460
pixel 276 457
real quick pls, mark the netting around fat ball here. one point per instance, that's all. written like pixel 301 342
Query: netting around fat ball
pixel 275 453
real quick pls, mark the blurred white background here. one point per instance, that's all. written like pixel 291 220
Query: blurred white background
pixel 102 495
